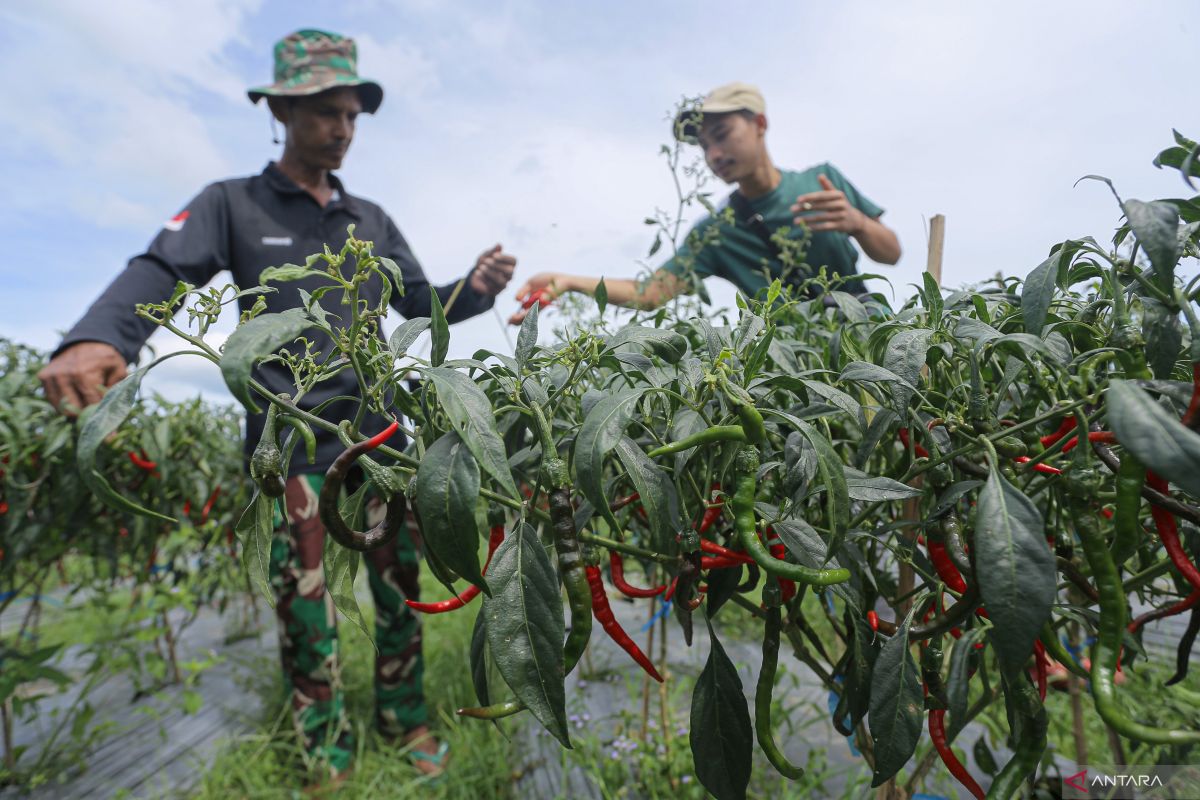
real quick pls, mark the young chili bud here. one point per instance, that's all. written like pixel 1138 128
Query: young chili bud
pixel 266 463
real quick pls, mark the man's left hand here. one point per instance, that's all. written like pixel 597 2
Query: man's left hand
pixel 493 270
pixel 828 210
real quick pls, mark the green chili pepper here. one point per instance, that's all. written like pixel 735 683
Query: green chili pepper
pixel 1131 476
pixel 717 433
pixel 570 563
pixel 305 433
pixel 1030 745
pixel 752 423
pixel 1111 631
pixel 266 463
pixel 772 597
pixel 742 505
pixel 331 516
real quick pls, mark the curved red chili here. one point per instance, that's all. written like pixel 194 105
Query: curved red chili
pixel 1046 468
pixel 468 594
pixel 937 733
pixel 1161 613
pixel 873 620
pixel 1168 531
pixel 141 462
pixel 787 587
pixel 1068 425
pixel 1039 656
pixel 712 548
pixel 604 615
pixel 616 568
pixel 713 512
pixel 208 506
pixel 920 451
pixel 383 436
pixel 1192 415
pixel 539 297
pixel 945 568
pixel 1104 437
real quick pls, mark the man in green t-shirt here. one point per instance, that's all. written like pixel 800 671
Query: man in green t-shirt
pixel 820 210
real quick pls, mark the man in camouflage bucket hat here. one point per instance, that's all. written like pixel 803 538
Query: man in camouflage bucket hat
pixel 293 208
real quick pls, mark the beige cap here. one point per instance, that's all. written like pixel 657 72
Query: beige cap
pixel 736 96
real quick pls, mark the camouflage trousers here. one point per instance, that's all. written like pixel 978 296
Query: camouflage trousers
pixel 308 629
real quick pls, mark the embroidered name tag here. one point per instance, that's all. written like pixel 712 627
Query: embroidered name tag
pixel 277 241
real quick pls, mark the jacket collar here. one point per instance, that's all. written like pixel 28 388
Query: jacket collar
pixel 281 183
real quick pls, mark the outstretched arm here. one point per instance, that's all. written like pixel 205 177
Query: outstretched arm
pixel 645 295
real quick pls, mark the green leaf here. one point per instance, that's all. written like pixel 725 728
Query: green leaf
pixel 405 334
pixel 193 701
pixel 984 757
pixel 397 274
pixel 958 683
pixel 1156 226
pixel 341 568
pixel 525 629
pixel 667 345
pixel 602 428
pixel 527 338
pixel 656 492
pixel 1157 438
pixel 1037 292
pixel 471 415
pixel 478 657
pixel 97 422
pixel 837 495
pixel 601 295
pixel 439 329
pixel 835 396
pixel 897 708
pixel 1019 583
pixel 447 491
pixel 871 373
pixel 876 487
pixel 722 585
pixel 721 734
pixel 1164 337
pixel 933 298
pixel 904 356
pixel 254 341
pixel 288 272
pixel 254 531
pixel 980 333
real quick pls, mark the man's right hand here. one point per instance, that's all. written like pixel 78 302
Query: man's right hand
pixel 548 285
pixel 76 377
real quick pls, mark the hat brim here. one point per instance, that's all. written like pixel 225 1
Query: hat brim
pixel 688 122
pixel 370 91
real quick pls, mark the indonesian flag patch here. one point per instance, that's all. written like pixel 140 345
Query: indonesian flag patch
pixel 175 223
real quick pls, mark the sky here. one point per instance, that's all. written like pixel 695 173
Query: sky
pixel 539 125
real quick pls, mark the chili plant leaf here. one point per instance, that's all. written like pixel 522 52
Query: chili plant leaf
pixel 667 345
pixel 525 629
pixel 837 397
pixel 470 414
pixel 876 487
pixel 837 496
pixel 478 656
pixel 1018 585
pixel 447 490
pixel 97 422
pixel 254 531
pixel 1158 439
pixel 527 338
pixel 656 492
pixel 896 708
pixel 253 341
pixel 1156 225
pixel 1037 291
pixel 341 568
pixel 720 734
pixel 905 355
pixel 1164 337
pixel 958 683
pixel 405 334
pixel 602 428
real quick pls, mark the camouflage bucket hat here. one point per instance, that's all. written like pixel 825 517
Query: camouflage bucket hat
pixel 310 61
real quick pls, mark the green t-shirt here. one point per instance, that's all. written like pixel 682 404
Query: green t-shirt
pixel 739 255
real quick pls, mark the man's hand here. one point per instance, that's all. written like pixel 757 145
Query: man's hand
pixel 76 377
pixel 493 270
pixel 546 285
pixel 828 210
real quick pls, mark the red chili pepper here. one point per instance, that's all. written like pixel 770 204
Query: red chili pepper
pixel 1039 660
pixel 538 297
pixel 1046 468
pixel 3 507
pixel 1169 533
pixel 604 616
pixel 787 587
pixel 715 549
pixel 713 512
pixel 141 462
pixel 468 594
pixel 873 620
pixel 187 508
pixel 383 436
pixel 937 733
pixel 1162 613
pixel 920 451
pixel 1068 425
pixel 621 502
pixel 616 568
pixel 715 562
pixel 1192 415
pixel 945 567
pixel 1104 437
pixel 670 592
pixel 208 506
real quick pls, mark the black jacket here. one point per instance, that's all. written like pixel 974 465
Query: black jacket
pixel 245 225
